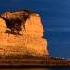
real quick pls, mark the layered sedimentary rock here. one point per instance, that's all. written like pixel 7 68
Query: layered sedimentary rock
pixel 28 42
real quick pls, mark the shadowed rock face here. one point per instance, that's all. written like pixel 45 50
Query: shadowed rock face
pixel 15 20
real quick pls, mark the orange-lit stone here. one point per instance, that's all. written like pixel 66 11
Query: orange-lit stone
pixel 34 26
pixel 30 43
pixel 2 25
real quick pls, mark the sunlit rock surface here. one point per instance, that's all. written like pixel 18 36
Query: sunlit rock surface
pixel 2 26
pixel 29 43
pixel 34 26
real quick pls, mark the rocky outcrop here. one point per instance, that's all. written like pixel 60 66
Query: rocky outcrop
pixel 29 41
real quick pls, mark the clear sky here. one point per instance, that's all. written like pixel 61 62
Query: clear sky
pixel 56 20
pixel 59 27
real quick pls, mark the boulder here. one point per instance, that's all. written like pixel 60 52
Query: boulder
pixel 30 42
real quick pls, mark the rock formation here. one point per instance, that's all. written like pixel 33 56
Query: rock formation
pixel 28 41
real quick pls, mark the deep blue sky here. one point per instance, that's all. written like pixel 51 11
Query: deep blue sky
pixel 56 20
pixel 59 27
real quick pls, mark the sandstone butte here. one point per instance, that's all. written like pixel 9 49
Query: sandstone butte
pixel 30 43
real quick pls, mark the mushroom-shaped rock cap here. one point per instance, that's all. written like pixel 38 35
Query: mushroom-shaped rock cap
pixel 14 15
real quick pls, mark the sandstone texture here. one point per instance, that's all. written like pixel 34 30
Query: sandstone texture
pixel 30 42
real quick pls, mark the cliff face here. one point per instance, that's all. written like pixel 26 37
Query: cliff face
pixel 29 41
